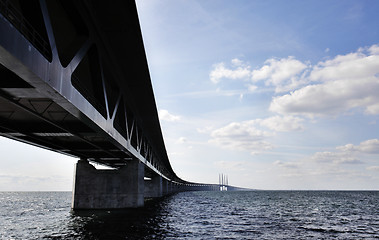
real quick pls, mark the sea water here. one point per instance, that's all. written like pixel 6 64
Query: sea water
pixel 197 215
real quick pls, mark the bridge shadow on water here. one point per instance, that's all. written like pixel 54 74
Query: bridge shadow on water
pixel 135 223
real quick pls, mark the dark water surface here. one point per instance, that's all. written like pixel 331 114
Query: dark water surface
pixel 197 215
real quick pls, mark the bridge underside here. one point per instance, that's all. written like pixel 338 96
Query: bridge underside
pixel 30 116
pixel 74 79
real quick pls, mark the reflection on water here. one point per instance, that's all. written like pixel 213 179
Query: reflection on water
pixel 139 223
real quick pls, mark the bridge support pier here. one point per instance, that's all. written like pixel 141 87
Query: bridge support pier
pixel 165 187
pixel 107 189
pixel 153 187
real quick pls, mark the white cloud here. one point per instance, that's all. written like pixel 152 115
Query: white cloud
pixel 329 98
pixel 349 153
pixel 231 165
pixel 374 49
pixel 370 146
pixel 285 74
pixel 344 83
pixel 207 129
pixel 373 168
pixel 239 71
pixel 237 62
pixel 241 136
pixel 282 124
pixel 245 136
pixel 251 88
pixel 164 115
pixel 334 168
pixel 287 165
pixel 372 109
pixel 355 66
pixel 182 140
pixel 335 158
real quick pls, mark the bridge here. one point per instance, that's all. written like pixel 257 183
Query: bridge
pixel 74 79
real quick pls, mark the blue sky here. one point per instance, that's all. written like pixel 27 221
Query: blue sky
pixel 275 94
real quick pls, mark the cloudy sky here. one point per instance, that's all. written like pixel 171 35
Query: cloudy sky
pixel 275 94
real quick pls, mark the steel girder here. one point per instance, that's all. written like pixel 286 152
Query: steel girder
pixel 65 84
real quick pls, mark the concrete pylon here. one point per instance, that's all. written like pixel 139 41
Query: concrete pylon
pixel 165 187
pixel 107 189
pixel 153 187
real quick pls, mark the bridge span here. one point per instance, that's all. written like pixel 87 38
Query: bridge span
pixel 74 79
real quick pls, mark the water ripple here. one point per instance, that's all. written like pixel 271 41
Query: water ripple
pixel 198 215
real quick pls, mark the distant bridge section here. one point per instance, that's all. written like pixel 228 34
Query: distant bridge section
pixel 74 79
